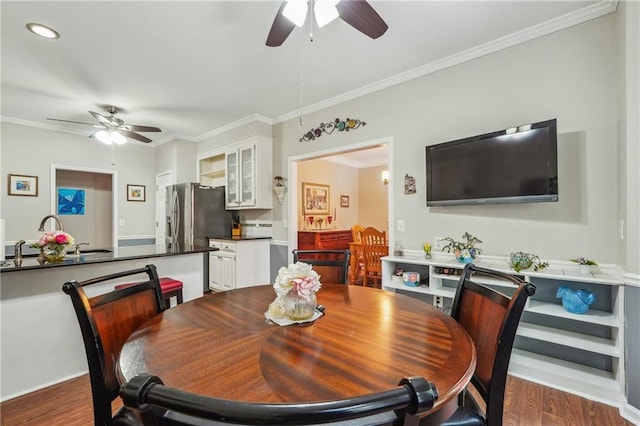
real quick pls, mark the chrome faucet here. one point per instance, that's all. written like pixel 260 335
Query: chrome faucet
pixel 17 251
pixel 56 218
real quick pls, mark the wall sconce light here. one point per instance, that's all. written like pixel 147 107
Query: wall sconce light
pixel 385 177
pixel 279 189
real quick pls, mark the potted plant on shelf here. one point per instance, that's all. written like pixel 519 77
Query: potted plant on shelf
pixel 464 251
pixel 427 250
pixel 520 260
pixel 584 264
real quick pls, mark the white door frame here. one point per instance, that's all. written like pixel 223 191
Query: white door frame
pixel 114 192
pixel 293 189
pixel 161 207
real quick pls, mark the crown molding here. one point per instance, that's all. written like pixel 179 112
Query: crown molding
pixel 236 124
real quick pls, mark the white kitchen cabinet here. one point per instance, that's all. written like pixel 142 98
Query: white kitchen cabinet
pixel 238 263
pixel 248 172
pixel 579 353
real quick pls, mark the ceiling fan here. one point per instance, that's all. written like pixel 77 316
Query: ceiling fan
pixel 357 13
pixel 113 129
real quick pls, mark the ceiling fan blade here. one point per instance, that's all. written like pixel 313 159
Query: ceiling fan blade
pixel 75 122
pixel 280 29
pixel 138 128
pixel 361 16
pixel 134 135
pixel 101 118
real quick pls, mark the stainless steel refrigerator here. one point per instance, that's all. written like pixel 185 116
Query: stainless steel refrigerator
pixel 196 212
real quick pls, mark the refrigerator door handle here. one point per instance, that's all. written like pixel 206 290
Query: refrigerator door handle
pixel 176 216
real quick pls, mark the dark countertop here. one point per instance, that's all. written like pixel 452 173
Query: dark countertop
pixel 114 255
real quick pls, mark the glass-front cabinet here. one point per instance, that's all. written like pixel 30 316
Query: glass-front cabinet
pixel 245 169
pixel 231 174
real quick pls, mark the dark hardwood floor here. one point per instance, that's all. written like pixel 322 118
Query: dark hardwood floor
pixel 526 404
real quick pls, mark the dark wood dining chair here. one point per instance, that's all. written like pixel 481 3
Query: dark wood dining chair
pixel 106 321
pixel 491 318
pixel 374 247
pixel 331 265
pixel 160 405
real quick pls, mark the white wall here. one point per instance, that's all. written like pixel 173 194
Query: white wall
pixel 569 75
pixel 31 151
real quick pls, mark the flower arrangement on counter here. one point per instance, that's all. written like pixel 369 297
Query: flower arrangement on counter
pixel 53 244
pixel 296 286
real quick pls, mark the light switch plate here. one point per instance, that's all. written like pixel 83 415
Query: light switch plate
pixel 400 225
pixel 121 222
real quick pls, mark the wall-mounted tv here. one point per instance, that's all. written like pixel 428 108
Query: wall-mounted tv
pixel 515 165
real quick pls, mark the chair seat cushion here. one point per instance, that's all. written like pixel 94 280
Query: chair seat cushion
pixel 170 284
pixel 167 284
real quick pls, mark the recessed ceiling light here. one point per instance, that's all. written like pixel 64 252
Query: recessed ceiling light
pixel 42 30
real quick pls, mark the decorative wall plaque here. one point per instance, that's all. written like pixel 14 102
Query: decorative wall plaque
pixel 328 128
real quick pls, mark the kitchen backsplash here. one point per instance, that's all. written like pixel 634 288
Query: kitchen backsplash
pixel 257 228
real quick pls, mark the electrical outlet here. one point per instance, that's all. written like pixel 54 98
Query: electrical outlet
pixel 285 223
pixel 439 243
pixel 437 301
pixel 121 222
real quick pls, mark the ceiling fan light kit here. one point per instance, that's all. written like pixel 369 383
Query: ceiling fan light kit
pixel 357 13
pixel 324 11
pixel 110 137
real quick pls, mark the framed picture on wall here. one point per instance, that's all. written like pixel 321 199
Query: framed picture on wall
pixel 344 201
pixel 315 198
pixel 22 185
pixel 70 201
pixel 136 193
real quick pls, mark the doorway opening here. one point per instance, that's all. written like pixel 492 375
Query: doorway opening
pixel 343 194
pixel 97 223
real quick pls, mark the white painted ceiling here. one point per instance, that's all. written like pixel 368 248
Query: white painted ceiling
pixel 195 68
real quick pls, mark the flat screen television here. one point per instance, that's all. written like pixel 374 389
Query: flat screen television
pixel 516 165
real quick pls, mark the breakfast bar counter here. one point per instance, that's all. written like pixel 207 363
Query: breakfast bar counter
pixel 30 262
pixel 41 342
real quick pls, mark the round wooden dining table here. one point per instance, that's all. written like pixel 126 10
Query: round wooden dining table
pixel 222 346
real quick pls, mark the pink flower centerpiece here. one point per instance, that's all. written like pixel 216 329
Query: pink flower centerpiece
pixel 296 286
pixel 53 245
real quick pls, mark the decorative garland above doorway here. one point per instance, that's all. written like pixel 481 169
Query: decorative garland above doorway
pixel 328 128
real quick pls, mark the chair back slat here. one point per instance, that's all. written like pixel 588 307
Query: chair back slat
pixel 106 321
pixel 331 265
pixel 491 318
pixel 158 404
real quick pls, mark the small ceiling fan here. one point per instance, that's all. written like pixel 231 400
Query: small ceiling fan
pixel 113 129
pixel 357 13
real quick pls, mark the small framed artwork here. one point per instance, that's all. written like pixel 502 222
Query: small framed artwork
pixel 23 185
pixel 344 201
pixel 70 201
pixel 136 193
pixel 315 198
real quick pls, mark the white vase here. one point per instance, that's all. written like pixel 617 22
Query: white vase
pixel 584 269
